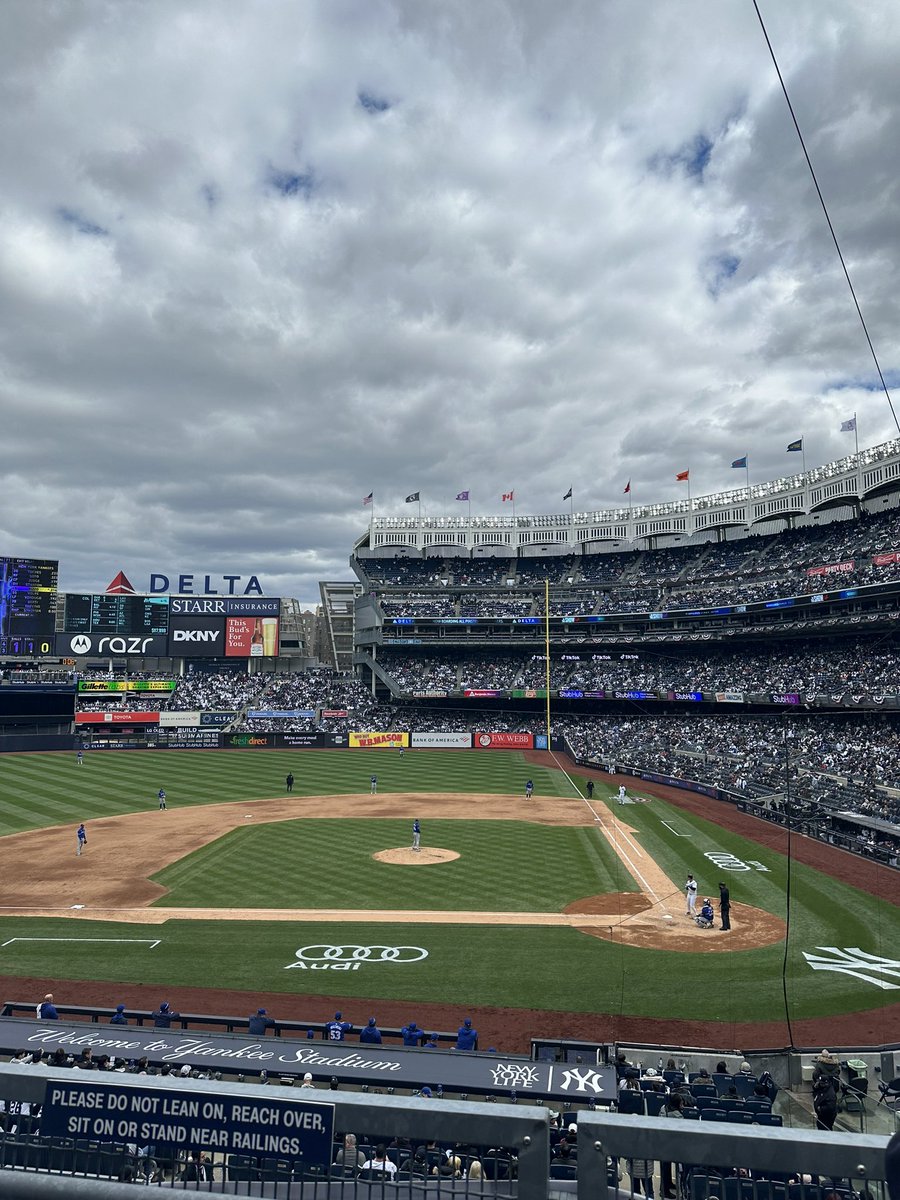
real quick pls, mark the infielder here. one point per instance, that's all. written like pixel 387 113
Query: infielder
pixel 161 797
pixel 82 838
pixel 690 896
pixel 417 834
pixel 373 785
pixel 529 789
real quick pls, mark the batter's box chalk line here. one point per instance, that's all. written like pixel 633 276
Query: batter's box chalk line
pixel 149 942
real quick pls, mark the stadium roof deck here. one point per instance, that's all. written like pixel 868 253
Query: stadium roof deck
pixel 846 482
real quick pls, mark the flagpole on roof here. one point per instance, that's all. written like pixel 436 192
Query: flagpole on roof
pixel 803 452
pixel 747 469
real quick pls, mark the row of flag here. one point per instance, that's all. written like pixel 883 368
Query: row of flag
pixel 848 426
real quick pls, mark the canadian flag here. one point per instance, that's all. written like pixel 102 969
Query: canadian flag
pixel 508 496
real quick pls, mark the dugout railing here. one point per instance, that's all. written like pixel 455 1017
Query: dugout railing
pixel 220 1023
pixel 758 1162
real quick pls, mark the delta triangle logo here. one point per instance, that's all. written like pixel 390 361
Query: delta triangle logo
pixel 120 586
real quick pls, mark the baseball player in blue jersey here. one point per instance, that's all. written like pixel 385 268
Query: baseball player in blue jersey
pixel 417 834
pixel 529 789
pixel 337 1030
pixel 81 835
pixel 161 797
pixel 79 759
pixel 373 785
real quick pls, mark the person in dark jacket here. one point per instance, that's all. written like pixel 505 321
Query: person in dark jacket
pixel 371 1033
pixel 46 1010
pixel 119 1017
pixel 164 1016
pixel 259 1023
pixel 825 1102
pixel 466 1036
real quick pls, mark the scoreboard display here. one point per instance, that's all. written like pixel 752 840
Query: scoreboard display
pixel 131 616
pixel 28 594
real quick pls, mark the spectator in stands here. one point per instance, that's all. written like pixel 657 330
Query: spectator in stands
pixel 825 1101
pixel 370 1033
pixel 118 1017
pixel 466 1037
pixel 164 1016
pixel 46 1010
pixel 307 1081
pixel 380 1162
pixel 641 1172
pixel 259 1023
pixel 349 1157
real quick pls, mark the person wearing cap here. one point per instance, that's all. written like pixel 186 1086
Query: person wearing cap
pixel 466 1036
pixel 119 1018
pixel 425 1092
pixel 337 1029
pixel 431 1042
pixel 412 1035
pixel 370 1033
pixel 707 915
pixel 259 1023
pixel 164 1016
pixel 307 1081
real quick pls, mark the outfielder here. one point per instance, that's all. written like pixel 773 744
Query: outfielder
pixel 161 797
pixel 373 785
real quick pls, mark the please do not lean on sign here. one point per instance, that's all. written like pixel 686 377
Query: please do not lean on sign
pixel 179 1118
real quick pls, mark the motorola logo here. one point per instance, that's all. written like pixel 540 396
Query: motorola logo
pixel 80 644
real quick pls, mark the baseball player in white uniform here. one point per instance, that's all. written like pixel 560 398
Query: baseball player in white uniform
pixel 621 793
pixel 690 895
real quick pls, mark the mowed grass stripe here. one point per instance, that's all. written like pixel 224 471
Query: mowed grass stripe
pixel 41 789
pixel 503 866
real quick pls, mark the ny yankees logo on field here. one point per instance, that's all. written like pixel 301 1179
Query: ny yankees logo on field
pixel 859 964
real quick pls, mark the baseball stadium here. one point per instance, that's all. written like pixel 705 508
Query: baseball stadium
pixel 597 745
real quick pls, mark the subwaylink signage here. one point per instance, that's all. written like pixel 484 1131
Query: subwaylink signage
pixel 207 585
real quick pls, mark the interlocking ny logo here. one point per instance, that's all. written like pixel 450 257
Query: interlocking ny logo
pixel 582 1080
pixel 861 965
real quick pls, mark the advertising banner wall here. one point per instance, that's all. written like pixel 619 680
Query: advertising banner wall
pixel 335 712
pixel 884 560
pixel 127 685
pixel 251 637
pixel 225 606
pixel 347 1062
pixel 831 568
pixel 179 720
pixel 378 741
pixel 126 717
pixel 197 637
pixel 262 714
pixel 503 741
pixel 730 697
pixel 217 718
pixel 77 645
pixel 188 739
pixel 482 693
pixel 443 741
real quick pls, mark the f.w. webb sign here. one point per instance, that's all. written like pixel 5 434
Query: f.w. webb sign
pixel 348 1062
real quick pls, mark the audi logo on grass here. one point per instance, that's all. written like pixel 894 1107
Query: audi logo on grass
pixel 324 957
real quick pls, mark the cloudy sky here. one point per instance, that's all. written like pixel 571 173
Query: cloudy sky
pixel 263 257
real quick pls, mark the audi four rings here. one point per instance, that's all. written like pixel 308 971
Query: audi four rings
pixel 398 954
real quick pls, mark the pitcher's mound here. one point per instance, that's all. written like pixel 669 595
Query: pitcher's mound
pixel 424 856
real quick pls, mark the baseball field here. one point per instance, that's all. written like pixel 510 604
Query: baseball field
pixel 557 916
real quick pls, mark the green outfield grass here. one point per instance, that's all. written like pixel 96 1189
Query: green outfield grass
pixel 37 790
pixel 329 864
pixel 512 866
